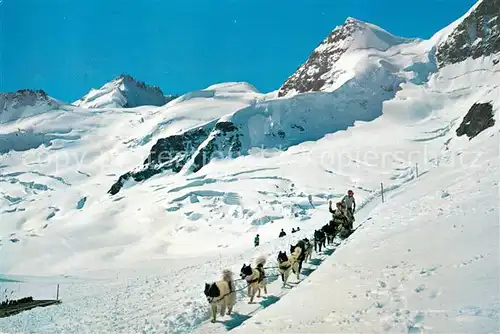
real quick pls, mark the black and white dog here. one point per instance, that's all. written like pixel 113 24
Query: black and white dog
pixel 319 240
pixel 286 266
pixel 255 278
pixel 308 249
pixel 221 294
pixel 298 254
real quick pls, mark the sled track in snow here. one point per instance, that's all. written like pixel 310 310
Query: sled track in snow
pixel 238 317
pixel 194 313
pixel 244 311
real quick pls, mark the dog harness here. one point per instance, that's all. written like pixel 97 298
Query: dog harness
pixel 284 267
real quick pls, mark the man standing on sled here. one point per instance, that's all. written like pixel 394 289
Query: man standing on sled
pixel 350 205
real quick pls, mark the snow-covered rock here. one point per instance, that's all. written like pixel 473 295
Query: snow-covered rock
pixel 335 59
pixel 124 92
pixel 25 103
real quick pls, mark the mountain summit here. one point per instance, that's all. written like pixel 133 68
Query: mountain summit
pixel 123 92
pixel 25 103
pixel 321 71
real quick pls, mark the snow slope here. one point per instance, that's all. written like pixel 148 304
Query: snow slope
pixel 137 261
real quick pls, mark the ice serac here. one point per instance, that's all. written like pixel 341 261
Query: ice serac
pixel 124 92
pixel 25 103
pixel 324 67
pixel 477 35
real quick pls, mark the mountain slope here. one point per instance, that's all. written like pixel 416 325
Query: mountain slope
pixel 374 68
pixel 124 92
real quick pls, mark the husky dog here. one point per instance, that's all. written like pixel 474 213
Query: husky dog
pixel 221 294
pixel 297 254
pixel 308 249
pixel 319 240
pixel 286 265
pixel 329 230
pixel 255 278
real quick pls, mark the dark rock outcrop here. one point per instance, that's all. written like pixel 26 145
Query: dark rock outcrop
pixel 476 36
pixel 224 142
pixel 478 118
pixel 175 152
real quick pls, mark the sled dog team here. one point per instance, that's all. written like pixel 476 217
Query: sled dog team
pixel 222 294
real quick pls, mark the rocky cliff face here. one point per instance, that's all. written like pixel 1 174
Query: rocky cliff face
pixel 476 36
pixel 320 69
pixel 191 149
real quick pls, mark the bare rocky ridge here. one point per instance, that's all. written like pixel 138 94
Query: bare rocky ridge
pixel 174 152
pixel 476 36
pixel 310 76
pixel 23 98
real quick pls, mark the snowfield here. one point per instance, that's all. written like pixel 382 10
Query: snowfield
pixel 426 259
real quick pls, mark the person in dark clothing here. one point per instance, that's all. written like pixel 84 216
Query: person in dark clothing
pixel 293 230
pixel 256 241
pixel 282 233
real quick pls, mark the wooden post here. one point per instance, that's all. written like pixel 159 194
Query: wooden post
pixel 382 191
pixel 57 294
pixel 416 168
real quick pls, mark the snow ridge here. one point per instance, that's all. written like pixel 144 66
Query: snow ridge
pixel 124 92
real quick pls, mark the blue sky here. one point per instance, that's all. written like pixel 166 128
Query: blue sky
pixel 67 47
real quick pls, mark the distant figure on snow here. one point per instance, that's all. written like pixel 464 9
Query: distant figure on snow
pixel 256 241
pixel 298 229
pixel 282 233
pixel 293 230
pixel 350 205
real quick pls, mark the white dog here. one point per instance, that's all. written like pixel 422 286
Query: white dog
pixel 221 294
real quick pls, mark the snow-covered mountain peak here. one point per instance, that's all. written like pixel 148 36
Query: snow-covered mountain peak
pixel 321 69
pixel 123 92
pixel 24 103
pixel 476 34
